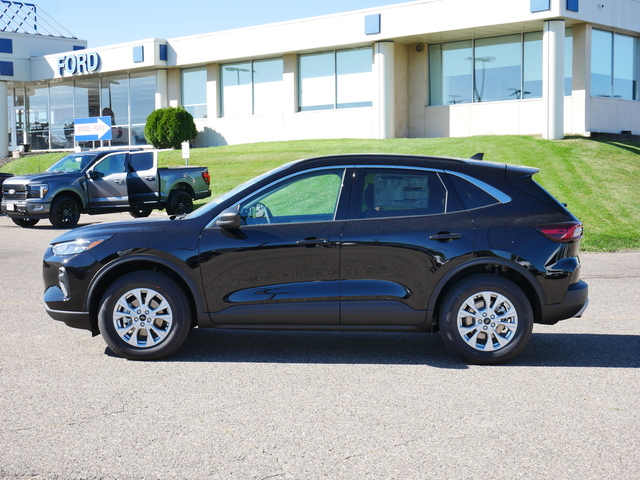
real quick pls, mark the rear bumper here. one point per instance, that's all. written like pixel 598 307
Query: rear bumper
pixel 574 304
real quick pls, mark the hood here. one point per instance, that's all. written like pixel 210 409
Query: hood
pixel 43 177
pixel 152 227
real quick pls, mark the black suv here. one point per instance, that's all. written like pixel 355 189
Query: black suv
pixel 475 250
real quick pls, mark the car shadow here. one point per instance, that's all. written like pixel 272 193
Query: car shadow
pixel 543 350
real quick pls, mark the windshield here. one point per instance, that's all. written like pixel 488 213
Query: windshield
pixel 72 163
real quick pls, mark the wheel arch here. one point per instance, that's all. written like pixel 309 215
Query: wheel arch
pixel 181 185
pixel 135 264
pixel 523 278
pixel 74 195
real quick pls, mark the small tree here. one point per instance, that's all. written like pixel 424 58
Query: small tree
pixel 169 127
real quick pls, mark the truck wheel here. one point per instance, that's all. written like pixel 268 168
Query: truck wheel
pixel 144 316
pixel 179 202
pixel 486 320
pixel 65 212
pixel 25 222
pixel 141 212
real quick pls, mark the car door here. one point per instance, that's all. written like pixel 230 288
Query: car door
pixel 282 266
pixel 142 179
pixel 405 228
pixel 107 182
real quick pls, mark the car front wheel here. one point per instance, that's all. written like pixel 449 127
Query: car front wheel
pixel 25 222
pixel 144 316
pixel 65 212
pixel 486 320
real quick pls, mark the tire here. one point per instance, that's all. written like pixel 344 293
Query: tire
pixel 467 320
pixel 65 212
pixel 133 336
pixel 179 202
pixel 141 212
pixel 25 222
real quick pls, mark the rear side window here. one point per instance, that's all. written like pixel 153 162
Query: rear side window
pixel 472 195
pixel 400 193
pixel 141 161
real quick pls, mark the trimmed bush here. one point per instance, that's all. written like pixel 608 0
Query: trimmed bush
pixel 169 127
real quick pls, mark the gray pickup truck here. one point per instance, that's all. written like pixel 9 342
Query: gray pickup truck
pixel 102 182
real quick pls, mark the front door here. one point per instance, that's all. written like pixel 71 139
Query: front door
pixel 282 266
pixel 107 182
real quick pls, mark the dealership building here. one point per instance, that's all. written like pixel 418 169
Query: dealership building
pixel 430 68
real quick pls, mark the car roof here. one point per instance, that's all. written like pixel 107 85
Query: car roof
pixel 396 159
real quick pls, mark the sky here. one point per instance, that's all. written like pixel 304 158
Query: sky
pixel 118 21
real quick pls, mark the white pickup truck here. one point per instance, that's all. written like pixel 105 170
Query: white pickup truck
pixel 102 182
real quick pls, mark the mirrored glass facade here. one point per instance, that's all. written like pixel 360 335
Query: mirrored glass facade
pixel 44 114
pixel 492 69
pixel 337 79
pixel 252 88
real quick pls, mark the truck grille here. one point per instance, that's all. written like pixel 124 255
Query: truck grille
pixel 14 192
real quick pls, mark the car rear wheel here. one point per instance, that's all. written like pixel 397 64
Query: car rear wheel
pixel 25 222
pixel 486 319
pixel 179 202
pixel 144 316
pixel 65 212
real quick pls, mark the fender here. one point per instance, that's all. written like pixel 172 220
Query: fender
pixel 194 289
pixel 482 261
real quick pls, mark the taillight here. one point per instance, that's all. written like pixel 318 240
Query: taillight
pixel 562 232
pixel 206 177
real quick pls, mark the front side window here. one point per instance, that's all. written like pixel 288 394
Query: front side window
pixel 339 79
pixel 111 164
pixel 309 197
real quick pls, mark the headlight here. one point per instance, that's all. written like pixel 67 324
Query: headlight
pixel 76 246
pixel 37 191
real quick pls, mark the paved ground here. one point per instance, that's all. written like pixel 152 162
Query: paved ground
pixel 251 405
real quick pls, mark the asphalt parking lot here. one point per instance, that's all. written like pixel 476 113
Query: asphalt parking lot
pixel 283 405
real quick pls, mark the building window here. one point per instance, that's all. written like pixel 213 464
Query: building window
pixel 614 65
pixel 338 79
pixel 490 69
pixel 194 91
pixel 142 90
pixel 38 117
pixel 252 88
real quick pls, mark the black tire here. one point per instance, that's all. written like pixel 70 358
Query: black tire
pixel 141 212
pixel 25 222
pixel 65 212
pixel 179 202
pixel 467 320
pixel 134 336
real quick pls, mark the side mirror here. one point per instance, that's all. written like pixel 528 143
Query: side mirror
pixel 230 219
pixel 93 175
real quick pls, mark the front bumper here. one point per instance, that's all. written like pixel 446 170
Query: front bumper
pixel 22 208
pixel 574 304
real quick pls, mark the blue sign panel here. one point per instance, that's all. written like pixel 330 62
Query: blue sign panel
pixel 92 129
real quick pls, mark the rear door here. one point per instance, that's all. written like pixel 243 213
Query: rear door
pixel 107 182
pixel 142 179
pixel 405 229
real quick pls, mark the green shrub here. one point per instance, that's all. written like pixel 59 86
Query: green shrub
pixel 169 127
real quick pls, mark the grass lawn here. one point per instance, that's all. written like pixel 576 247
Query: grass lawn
pixel 598 179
